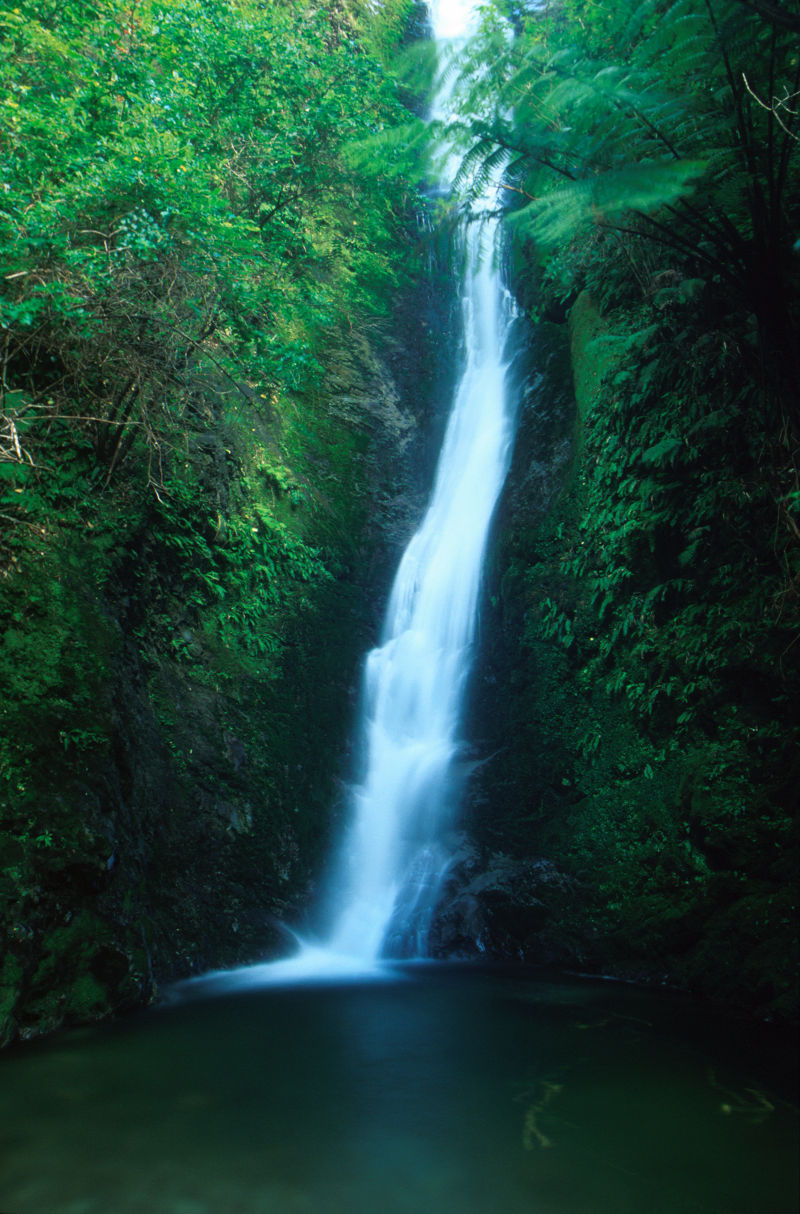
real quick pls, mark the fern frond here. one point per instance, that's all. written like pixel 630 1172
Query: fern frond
pixel 555 218
pixel 391 151
pixel 417 66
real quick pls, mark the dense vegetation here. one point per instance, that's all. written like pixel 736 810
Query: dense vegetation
pixel 196 256
pixel 651 167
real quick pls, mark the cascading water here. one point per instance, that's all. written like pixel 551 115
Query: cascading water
pixel 396 854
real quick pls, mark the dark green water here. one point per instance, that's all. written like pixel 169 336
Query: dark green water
pixel 448 1091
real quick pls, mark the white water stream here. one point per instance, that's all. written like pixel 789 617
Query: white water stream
pixel 396 852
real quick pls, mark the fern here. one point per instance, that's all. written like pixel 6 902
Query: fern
pixel 604 198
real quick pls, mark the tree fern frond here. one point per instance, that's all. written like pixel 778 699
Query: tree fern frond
pixel 416 66
pixel 556 218
pixel 643 17
pixel 479 168
pixel 395 151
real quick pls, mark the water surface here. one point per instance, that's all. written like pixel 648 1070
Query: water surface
pixel 442 1091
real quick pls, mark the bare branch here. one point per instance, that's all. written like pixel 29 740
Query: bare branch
pixel 778 104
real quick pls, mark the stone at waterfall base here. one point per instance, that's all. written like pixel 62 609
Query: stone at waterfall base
pixel 498 907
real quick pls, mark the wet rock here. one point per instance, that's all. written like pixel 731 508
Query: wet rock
pixel 234 749
pixel 238 819
pixel 495 906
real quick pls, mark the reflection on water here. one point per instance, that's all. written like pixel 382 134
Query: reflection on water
pixel 452 1092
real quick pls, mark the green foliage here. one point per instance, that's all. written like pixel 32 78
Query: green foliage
pixel 672 550
pixel 660 627
pixel 201 214
pixel 183 236
pixel 200 203
pixel 650 171
pixel 554 219
pixel 674 126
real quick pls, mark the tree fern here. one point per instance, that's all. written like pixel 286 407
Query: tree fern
pixel 686 134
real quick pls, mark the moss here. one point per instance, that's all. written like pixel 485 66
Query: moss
pixel 86 999
pixel 11 976
pixel 70 947
pixel 591 357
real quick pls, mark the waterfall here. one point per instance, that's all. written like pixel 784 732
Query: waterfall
pixel 396 854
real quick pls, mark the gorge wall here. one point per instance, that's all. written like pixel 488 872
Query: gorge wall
pixel 185 741
pixel 608 831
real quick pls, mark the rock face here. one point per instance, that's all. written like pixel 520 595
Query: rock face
pixel 498 907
